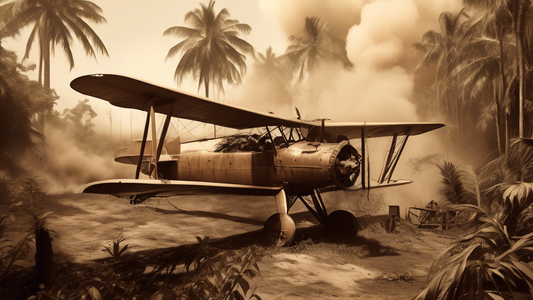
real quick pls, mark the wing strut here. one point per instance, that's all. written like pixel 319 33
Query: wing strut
pixel 393 157
pixel 363 157
pixel 164 132
pixel 143 144
pixel 154 139
pixel 387 164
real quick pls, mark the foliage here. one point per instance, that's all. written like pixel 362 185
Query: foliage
pixel 54 23
pixel 495 262
pixel 417 163
pixel 507 176
pixel 194 272
pixel 116 251
pixel 11 253
pixel 461 184
pixel 483 62
pixel 211 49
pixel 17 135
pixel 492 266
pixel 237 143
pixel 77 124
pixel 318 44
pixel 442 48
pixel 26 190
pixel 272 75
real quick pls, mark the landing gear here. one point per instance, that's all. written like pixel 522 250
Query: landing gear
pixel 341 224
pixel 279 230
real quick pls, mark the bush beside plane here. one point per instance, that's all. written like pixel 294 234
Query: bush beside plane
pixel 303 160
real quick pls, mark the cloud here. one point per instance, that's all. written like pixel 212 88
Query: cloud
pixel 362 94
pixel 384 37
pixel 291 14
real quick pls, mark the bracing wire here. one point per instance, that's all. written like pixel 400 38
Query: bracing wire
pixel 189 131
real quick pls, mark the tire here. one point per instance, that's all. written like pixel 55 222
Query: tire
pixel 279 230
pixel 341 224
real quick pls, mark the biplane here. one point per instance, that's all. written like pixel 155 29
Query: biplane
pixel 294 160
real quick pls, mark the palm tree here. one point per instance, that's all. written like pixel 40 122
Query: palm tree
pixel 441 48
pixel 315 45
pixel 511 16
pixel 212 51
pixel 55 22
pixel 481 76
pixel 270 66
pixel 271 72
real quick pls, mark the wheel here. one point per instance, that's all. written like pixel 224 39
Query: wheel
pixel 279 230
pixel 341 224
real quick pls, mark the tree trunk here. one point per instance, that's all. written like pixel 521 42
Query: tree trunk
pixel 40 80
pixel 46 58
pixel 503 93
pixel 498 117
pixel 206 86
pixel 519 44
pixel 507 135
pixel 44 257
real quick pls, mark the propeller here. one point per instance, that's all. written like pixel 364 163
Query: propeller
pixel 299 116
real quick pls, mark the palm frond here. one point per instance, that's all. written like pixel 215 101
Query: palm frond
pixel 211 49
pixel 454 189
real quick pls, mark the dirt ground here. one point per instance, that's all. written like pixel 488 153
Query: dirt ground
pixel 375 265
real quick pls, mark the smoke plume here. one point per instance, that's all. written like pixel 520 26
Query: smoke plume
pixel 66 167
pixel 379 35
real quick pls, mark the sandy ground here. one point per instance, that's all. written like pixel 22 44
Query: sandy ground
pixel 375 265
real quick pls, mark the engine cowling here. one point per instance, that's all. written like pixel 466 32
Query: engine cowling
pixel 307 165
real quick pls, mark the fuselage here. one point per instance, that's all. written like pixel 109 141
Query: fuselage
pixel 303 166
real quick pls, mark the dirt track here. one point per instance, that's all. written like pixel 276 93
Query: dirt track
pixel 375 265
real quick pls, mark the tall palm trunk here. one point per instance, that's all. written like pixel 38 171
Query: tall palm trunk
pixel 46 60
pixel 206 86
pixel 503 92
pixel 498 118
pixel 519 29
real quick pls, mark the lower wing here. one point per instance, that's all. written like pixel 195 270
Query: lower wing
pixel 166 188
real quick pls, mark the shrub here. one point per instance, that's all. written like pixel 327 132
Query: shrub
pixel 201 272
pixel 492 266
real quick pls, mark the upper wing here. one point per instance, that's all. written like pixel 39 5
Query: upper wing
pixel 356 130
pixel 132 93
pixel 165 188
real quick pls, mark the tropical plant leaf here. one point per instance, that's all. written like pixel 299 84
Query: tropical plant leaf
pixel 94 293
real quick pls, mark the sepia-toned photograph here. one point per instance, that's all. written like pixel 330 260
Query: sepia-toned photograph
pixel 266 149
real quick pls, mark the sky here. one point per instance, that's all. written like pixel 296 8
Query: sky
pixel 379 36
